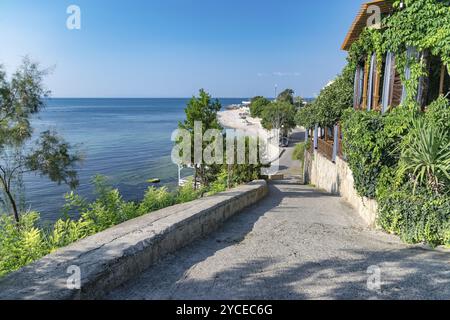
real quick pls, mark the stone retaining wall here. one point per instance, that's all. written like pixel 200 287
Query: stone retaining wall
pixel 112 257
pixel 337 178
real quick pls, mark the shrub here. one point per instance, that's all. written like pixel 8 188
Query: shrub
pixel 299 152
pixel 425 156
pixel 23 243
pixel 257 106
pixel 362 147
pixel 20 244
pixel 306 117
pixel 438 114
pixel 371 143
pixel 220 184
pixel 187 193
pixel 420 217
pixel 155 199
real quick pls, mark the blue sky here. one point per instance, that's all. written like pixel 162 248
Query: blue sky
pixel 171 48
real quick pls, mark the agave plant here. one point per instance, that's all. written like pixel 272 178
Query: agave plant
pixel 425 156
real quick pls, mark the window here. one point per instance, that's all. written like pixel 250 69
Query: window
pixel 433 85
pixel 445 78
pixel 359 86
pixel 437 82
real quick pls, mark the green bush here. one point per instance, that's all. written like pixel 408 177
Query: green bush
pixel 257 106
pixel 438 114
pixel 187 193
pixel 362 147
pixel 371 143
pixel 20 244
pixel 425 156
pixel 299 152
pixel 327 109
pixel 24 243
pixel 155 199
pixel 420 217
pixel 28 241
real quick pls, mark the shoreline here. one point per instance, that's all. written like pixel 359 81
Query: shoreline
pixel 231 119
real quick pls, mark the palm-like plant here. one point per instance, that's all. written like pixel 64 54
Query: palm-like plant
pixel 425 156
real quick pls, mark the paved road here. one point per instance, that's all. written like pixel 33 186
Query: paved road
pixel 288 167
pixel 298 243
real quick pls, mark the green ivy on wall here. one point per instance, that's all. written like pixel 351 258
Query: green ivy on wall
pixel 422 24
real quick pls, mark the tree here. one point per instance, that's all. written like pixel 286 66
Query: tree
pixel 286 96
pixel 327 109
pixel 299 102
pixel 257 106
pixel 306 117
pixel 202 109
pixel 279 115
pixel 20 99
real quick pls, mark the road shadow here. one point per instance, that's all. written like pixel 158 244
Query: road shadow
pixel 407 273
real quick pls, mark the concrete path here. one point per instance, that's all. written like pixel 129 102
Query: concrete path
pixel 298 243
pixel 288 167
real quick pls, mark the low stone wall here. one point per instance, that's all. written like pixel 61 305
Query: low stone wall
pixel 112 257
pixel 337 178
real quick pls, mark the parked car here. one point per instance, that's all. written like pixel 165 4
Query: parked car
pixel 284 142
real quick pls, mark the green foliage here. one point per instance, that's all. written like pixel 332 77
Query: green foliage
pixel 306 117
pixel 370 41
pixel 220 184
pixel 242 170
pixel 155 199
pixel 201 109
pixel 425 156
pixel 287 96
pixel 27 241
pixel 403 158
pixel 20 244
pixel 20 99
pixel 422 24
pixel 371 143
pixel 438 114
pixel 419 217
pixel 187 193
pixel 328 107
pixel 363 149
pixel 279 115
pixel 396 159
pixel 204 110
pixel 299 102
pixel 257 106
pixel 299 150
pixel 52 158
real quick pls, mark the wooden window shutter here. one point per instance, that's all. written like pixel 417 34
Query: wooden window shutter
pixel 396 91
pixel 371 85
pixel 389 78
pixel 365 84
pixel 442 79
pixel 356 89
pixel 359 87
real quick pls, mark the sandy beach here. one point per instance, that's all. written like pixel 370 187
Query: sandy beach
pixel 250 126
